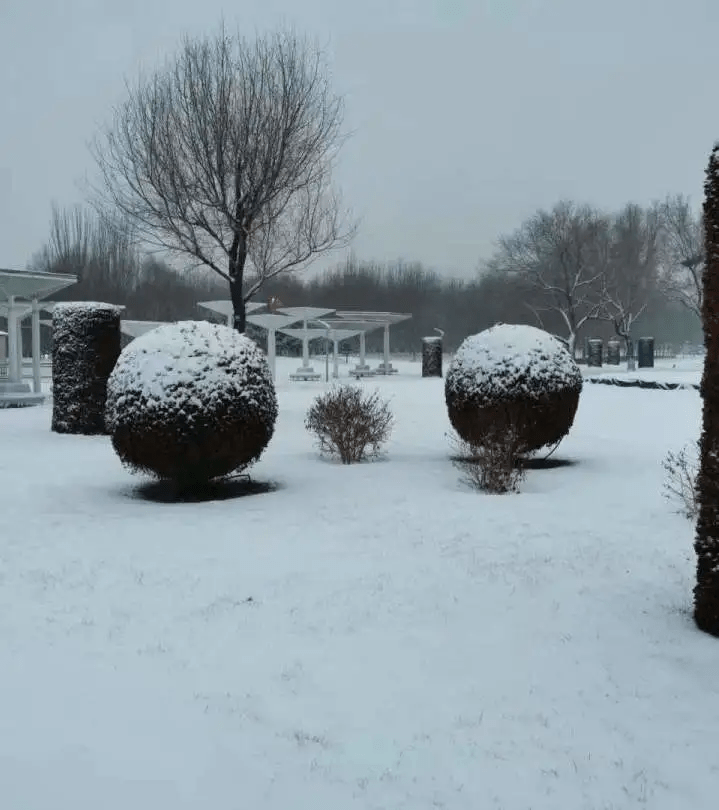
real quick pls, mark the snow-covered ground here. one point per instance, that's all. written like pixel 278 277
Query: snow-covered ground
pixel 375 636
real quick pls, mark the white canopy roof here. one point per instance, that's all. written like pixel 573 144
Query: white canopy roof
pixel 356 326
pixel 344 334
pixel 300 334
pixel 374 317
pixel 26 284
pixel 305 313
pixel 311 334
pixel 225 307
pixel 271 321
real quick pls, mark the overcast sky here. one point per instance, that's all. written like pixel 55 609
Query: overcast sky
pixel 469 114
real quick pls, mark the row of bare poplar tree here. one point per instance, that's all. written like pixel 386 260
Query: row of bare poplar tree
pixel 572 270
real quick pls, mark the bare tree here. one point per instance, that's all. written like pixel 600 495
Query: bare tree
pixel 631 270
pixel 560 253
pixel 101 251
pixel 682 254
pixel 226 157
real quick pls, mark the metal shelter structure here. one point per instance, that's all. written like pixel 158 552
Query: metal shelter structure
pixel 271 323
pixel 333 335
pixel 384 319
pixel 306 314
pixel 20 294
pixel 361 328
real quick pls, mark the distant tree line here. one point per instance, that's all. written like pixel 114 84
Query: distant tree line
pixel 572 270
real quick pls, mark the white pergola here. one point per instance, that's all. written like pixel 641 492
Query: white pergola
pixel 385 319
pixel 271 323
pixel 359 327
pixel 20 294
pixel 226 309
pixel 306 314
pixel 337 336
pixel 307 372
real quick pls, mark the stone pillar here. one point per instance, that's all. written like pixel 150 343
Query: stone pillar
pixel 431 356
pixel 613 353
pixel 595 349
pixel 645 352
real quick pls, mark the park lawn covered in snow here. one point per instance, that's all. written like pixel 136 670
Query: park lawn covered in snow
pixel 374 636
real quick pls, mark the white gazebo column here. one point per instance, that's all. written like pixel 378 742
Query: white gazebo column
pixel 272 351
pixel 13 322
pixel 36 383
pixel 362 364
pixel 386 348
pixel 335 358
pixel 305 346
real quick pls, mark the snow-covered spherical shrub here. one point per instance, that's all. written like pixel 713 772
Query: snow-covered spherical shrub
pixel 86 345
pixel 190 402
pixel 513 379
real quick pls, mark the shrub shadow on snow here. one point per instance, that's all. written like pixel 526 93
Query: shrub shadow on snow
pixel 220 490
pixel 548 463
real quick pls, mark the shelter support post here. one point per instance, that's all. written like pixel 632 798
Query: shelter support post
pixel 305 347
pixel 36 382
pixel 362 363
pixel 14 369
pixel 272 351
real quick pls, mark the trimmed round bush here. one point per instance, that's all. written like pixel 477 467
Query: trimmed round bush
pixel 85 348
pixel 190 402
pixel 513 379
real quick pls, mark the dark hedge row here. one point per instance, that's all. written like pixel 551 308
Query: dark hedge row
pixel 86 345
pixel 652 384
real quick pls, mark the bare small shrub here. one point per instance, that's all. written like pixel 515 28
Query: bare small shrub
pixel 495 465
pixel 350 423
pixel 681 476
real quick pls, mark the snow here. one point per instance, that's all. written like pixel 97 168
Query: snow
pixel 511 357
pixel 186 364
pixel 83 309
pixel 373 636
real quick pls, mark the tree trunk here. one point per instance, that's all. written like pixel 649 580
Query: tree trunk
pixel 629 345
pixel 238 304
pixel 572 345
pixel 706 545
